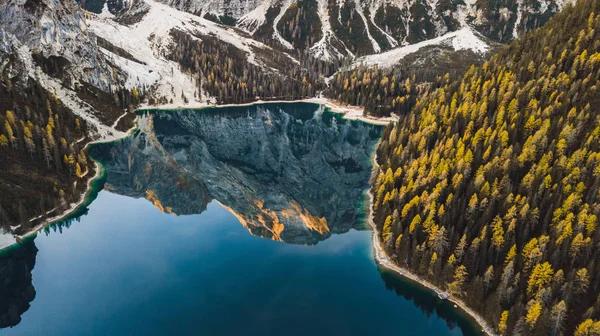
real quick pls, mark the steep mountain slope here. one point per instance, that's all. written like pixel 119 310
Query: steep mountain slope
pixel 392 81
pixel 182 59
pixel 57 30
pixel 332 29
pixel 96 68
pixel 490 189
pixel 57 92
pixel 462 39
pixel 51 42
pixel 43 165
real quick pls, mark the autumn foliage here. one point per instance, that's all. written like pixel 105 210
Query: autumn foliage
pixel 490 187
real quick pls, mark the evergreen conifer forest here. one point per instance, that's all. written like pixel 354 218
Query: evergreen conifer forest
pixel 489 188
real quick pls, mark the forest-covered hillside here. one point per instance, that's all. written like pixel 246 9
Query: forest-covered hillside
pixel 44 166
pixel 224 72
pixel 490 187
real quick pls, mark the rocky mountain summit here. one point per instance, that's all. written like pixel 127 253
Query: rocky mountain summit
pixel 57 32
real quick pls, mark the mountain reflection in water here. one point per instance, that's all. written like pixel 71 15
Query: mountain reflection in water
pixel 289 172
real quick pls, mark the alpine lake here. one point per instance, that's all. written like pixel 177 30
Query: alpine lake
pixel 247 220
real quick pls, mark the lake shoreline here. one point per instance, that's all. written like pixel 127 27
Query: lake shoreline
pixel 74 206
pixel 349 113
pixel 50 220
pixel 382 259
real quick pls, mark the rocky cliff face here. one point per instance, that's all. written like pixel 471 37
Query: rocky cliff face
pixel 288 172
pixel 55 31
pixel 49 42
pixel 332 29
pixel 360 27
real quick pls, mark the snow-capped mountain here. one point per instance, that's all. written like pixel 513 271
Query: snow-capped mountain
pixel 337 28
pixel 112 45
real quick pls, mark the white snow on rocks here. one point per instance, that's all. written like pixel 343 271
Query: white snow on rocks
pixel 562 3
pixel 358 8
pixel 149 42
pixel 466 39
pixel 286 4
pixel 138 74
pixel 372 12
pixel 324 49
pixel 463 39
pixel 255 18
pixel 519 18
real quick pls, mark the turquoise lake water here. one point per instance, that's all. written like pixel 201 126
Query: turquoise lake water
pixel 245 221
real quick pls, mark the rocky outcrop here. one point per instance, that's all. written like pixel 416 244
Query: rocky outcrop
pixel 288 172
pixel 57 34
pixel 368 26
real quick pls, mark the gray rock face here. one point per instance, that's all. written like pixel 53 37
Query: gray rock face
pixel 288 172
pixel 56 29
pixel 10 64
pixel 388 23
pixel 233 8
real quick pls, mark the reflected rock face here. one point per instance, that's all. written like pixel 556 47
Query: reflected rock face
pixel 289 172
pixel 16 287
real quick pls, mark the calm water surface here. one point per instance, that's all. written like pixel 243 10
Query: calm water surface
pixel 244 221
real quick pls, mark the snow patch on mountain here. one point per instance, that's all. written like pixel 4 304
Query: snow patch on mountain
pixel 463 39
pixel 433 13
pixel 276 35
pixel 466 39
pixel 149 41
pixel 519 18
pixel 251 15
pixel 468 9
pixel 359 10
pixel 372 12
pixel 324 48
pixel 232 8
pixel 562 3
pixel 138 74
pixel 255 18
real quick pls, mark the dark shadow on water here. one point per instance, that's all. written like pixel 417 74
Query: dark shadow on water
pixel 16 288
pixel 428 302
